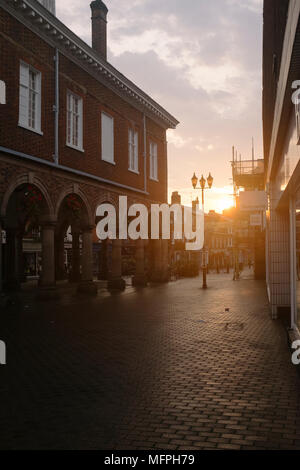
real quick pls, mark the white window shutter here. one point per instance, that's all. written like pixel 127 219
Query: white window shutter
pixel 107 138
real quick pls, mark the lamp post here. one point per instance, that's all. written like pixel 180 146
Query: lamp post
pixel 202 188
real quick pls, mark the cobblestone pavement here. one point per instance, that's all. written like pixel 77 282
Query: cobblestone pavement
pixel 161 368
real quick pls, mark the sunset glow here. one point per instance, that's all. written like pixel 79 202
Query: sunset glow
pixel 223 203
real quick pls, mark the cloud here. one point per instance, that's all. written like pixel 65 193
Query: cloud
pixel 175 139
pixel 200 60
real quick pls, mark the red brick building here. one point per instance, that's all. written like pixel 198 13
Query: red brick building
pixel 74 133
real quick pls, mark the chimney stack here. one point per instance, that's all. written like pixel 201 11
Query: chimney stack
pixel 176 198
pixel 99 27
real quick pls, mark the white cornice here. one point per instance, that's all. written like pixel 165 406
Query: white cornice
pixel 33 15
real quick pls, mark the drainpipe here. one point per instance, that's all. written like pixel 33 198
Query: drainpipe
pixel 56 109
pixel 145 154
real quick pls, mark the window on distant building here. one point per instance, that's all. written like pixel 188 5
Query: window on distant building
pixel 30 98
pixel 74 121
pixel 153 161
pixel 2 92
pixel 107 128
pixel 133 150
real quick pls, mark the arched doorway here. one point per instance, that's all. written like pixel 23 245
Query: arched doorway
pixel 74 242
pixel 26 220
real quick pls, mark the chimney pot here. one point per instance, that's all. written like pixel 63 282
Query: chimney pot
pixel 176 198
pixel 99 27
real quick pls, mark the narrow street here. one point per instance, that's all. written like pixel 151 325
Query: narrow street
pixel 166 367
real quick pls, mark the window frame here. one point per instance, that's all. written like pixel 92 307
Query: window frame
pixel 153 158
pixel 2 92
pixel 70 143
pixel 108 160
pixel 133 150
pixel 35 92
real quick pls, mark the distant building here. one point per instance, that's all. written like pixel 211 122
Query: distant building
pixel 249 221
pixel 219 241
pixel 182 262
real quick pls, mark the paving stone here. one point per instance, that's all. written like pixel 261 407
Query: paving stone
pixel 160 368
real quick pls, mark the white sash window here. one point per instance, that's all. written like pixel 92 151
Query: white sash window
pixel 153 161
pixel 30 98
pixel 2 92
pixel 107 138
pixel 133 150
pixel 74 121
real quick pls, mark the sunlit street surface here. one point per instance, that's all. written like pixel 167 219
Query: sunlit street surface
pixel 162 368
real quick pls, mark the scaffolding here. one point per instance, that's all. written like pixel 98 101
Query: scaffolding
pixel 248 174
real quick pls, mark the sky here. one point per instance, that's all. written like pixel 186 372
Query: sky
pixel 202 61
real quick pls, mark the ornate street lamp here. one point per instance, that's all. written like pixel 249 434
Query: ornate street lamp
pixel 194 181
pixel 202 188
pixel 202 183
pixel 210 181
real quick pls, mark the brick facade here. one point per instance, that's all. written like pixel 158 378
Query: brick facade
pixel 18 43
pixel 29 158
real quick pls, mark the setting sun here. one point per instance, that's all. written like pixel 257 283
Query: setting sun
pixel 223 203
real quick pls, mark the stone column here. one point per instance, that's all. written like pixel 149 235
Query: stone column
pixel 47 288
pixel 60 272
pixel 140 278
pixel 160 253
pixel 87 286
pixel 155 260
pixel 116 281
pixel 48 256
pixel 20 262
pixel 12 261
pixel 165 261
pixel 75 272
pixel 103 266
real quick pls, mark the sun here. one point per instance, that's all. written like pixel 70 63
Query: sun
pixel 223 203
